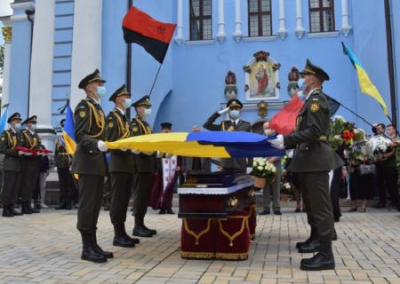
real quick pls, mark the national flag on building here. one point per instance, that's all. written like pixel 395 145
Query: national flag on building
pixel 152 35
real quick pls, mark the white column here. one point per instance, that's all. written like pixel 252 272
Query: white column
pixel 282 32
pixel 238 22
pixel 86 44
pixel 221 21
pixel 7 33
pixel 40 102
pixel 346 28
pixel 179 24
pixel 299 20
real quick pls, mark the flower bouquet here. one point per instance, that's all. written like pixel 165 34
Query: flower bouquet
pixel 262 171
pixel 344 133
pixel 379 145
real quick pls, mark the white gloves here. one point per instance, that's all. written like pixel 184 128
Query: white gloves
pixel 148 153
pixel 248 170
pixel 124 149
pixel 278 142
pixel 102 146
pixel 225 110
pixel 27 154
pixel 134 151
pixel 159 154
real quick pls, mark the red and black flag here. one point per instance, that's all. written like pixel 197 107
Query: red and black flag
pixel 152 35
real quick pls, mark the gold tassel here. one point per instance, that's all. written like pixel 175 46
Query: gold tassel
pixel 197 255
pixel 232 256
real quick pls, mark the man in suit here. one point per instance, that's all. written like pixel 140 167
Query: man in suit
pixel 89 163
pixel 10 139
pixel 121 167
pixel 30 164
pixel 145 167
pixel 313 159
pixel 234 123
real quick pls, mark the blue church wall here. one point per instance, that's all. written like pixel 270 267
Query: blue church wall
pixel 396 45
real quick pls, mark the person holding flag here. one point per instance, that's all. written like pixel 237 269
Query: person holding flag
pixel 121 167
pixel 89 163
pixel 9 141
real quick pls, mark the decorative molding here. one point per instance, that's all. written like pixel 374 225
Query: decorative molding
pixel 237 35
pixel 260 38
pixel 179 26
pixel 19 18
pixel 323 35
pixel 346 27
pixel 282 32
pixel 300 31
pixel 221 21
pixel 23 5
pixel 7 33
pixel 200 42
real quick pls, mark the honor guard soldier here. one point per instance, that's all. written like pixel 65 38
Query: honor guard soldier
pixel 121 167
pixel 313 159
pixel 145 169
pixel 89 163
pixel 63 162
pixel 235 123
pixel 10 139
pixel 30 164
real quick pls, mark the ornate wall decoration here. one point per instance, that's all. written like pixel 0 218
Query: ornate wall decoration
pixel 7 33
pixel 262 77
pixel 231 90
pixel 293 77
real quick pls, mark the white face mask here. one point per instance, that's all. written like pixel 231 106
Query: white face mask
pixel 127 103
pixel 101 91
pixel 17 126
pixel 147 112
pixel 234 114
pixel 33 127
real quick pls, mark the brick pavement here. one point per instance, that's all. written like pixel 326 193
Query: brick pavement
pixel 45 248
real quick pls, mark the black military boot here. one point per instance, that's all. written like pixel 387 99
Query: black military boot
pixel 7 212
pixel 313 235
pixel 323 260
pixel 15 212
pixel 25 208
pixel 88 251
pixel 120 239
pixel 310 247
pixel 29 206
pixel 140 230
pixel 98 249
pixel 62 205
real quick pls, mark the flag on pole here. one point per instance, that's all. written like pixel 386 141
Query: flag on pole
pixel 152 35
pixel 366 86
pixel 68 131
pixel 3 119
pixel 284 121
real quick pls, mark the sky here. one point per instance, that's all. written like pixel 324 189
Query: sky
pixel 5 10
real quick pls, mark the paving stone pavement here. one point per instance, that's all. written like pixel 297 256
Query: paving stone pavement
pixel 45 248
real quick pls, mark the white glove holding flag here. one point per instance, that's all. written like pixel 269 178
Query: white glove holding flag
pixel 225 110
pixel 102 146
pixel 136 152
pixel 278 142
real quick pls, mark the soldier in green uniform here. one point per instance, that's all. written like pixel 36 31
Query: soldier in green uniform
pixel 89 163
pixel 30 164
pixel 121 167
pixel 313 159
pixel 10 139
pixel 145 169
pixel 63 162
pixel 235 123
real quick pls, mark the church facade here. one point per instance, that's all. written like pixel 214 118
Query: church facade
pixel 220 49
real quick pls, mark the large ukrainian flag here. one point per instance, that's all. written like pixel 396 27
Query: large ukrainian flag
pixel 68 131
pixel 366 85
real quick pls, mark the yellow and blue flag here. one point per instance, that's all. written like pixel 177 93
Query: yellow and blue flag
pixel 68 131
pixel 208 144
pixel 3 119
pixel 366 86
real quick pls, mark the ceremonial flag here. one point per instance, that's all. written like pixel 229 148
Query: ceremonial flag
pixel 3 119
pixel 366 86
pixel 284 122
pixel 68 131
pixel 153 36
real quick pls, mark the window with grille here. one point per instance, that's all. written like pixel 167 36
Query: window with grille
pixel 322 16
pixel 200 19
pixel 260 19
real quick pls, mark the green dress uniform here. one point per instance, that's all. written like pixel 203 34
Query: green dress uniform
pixel 30 167
pixel 313 159
pixel 10 139
pixel 233 164
pixel 63 162
pixel 145 169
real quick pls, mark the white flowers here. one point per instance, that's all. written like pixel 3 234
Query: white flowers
pixel 263 168
pixel 379 144
pixel 339 117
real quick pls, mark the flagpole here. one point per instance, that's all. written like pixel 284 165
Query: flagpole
pixel 129 67
pixel 155 80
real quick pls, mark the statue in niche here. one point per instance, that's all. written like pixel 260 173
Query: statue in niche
pixel 293 77
pixel 231 90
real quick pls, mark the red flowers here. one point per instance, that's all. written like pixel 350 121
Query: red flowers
pixel 348 135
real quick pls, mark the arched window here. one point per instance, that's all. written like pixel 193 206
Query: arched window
pixel 322 16
pixel 200 19
pixel 260 19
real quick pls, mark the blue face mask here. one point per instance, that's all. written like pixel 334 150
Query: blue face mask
pixel 101 91
pixel 33 127
pixel 301 84
pixel 17 126
pixel 127 103
pixel 147 112
pixel 234 114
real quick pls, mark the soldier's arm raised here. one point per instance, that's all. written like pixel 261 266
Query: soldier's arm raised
pixel 209 124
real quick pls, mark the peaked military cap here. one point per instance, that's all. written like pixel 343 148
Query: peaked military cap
pixel 95 76
pixel 121 91
pixel 234 103
pixel 144 101
pixel 166 125
pixel 315 70
pixel 32 119
pixel 14 116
